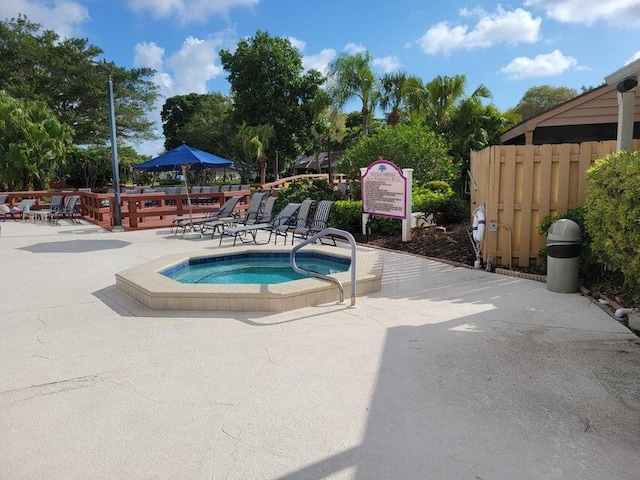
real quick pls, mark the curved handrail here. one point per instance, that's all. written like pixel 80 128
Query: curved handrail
pixel 324 233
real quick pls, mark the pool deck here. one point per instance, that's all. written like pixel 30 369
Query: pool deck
pixel 446 373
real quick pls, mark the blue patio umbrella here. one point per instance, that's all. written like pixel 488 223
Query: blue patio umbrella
pixel 184 158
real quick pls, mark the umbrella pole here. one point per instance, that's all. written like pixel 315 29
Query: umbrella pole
pixel 185 168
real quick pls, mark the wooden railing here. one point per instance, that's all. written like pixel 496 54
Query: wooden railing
pixel 283 182
pixel 140 210
pixel 151 210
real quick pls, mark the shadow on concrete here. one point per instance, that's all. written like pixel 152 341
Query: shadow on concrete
pixel 75 246
pixel 464 399
pixel 492 377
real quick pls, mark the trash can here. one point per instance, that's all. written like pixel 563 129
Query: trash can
pixel 563 256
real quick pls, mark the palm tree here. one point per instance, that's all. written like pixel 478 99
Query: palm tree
pixel 392 95
pixel 351 76
pixel 254 141
pixel 442 94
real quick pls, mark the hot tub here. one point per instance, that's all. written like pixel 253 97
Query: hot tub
pixel 148 285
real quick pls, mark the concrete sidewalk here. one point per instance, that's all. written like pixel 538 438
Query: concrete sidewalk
pixel 447 373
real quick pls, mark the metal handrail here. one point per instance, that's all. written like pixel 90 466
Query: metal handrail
pixel 324 233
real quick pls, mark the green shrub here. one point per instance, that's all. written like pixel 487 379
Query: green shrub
pixel 588 264
pixel 438 199
pixel 613 211
pixel 407 146
pixel 385 226
pixel 300 189
pixel 347 215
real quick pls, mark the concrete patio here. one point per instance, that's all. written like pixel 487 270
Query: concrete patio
pixel 447 373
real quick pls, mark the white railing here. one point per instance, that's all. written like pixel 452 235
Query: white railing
pixel 325 233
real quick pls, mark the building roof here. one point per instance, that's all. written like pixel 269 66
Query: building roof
pixel 309 162
pixel 592 116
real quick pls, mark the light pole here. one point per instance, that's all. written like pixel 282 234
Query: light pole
pixel 117 218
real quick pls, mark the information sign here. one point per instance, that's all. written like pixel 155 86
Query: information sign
pixel 384 190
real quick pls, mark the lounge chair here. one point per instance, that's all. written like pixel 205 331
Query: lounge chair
pixel 250 217
pixel 319 222
pixel 19 209
pixel 69 209
pixel 279 222
pixel 301 219
pixel 194 223
pixel 266 214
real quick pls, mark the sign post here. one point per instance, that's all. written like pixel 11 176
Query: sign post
pixel 386 192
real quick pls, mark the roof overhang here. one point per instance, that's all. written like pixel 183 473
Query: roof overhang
pixel 631 70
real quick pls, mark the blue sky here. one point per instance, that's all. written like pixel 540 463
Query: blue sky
pixel 509 46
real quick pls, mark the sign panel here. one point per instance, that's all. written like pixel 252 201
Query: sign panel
pixel 384 190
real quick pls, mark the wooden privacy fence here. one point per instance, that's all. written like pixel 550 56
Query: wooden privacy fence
pixel 521 184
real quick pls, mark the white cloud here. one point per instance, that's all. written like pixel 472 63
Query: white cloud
pixel 387 64
pixel 353 48
pixel 296 43
pixel 613 12
pixel 501 27
pixel 635 57
pixel 550 64
pixel 63 17
pixel 186 71
pixel 188 11
pixel 320 61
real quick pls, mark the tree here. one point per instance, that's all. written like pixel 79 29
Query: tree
pixel 255 142
pixel 36 65
pixel 92 168
pixel 322 119
pixel 539 99
pixel 392 96
pixel 33 144
pixel 464 121
pixel 351 76
pixel 474 126
pixel 199 120
pixel 268 87
pixel 406 145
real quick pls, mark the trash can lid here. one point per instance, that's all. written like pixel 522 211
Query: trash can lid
pixel 564 230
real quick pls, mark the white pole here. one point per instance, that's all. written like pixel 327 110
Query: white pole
pixel 406 223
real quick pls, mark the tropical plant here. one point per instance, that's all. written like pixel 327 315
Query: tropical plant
pixel 255 142
pixel 351 76
pixel 33 144
pixel 392 96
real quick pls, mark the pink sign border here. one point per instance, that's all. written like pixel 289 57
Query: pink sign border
pixel 404 179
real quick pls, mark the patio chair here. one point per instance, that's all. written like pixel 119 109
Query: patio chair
pixel 319 222
pixel 250 217
pixel 301 219
pixel 70 210
pixel 280 221
pixel 266 214
pixel 195 223
pixel 19 209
